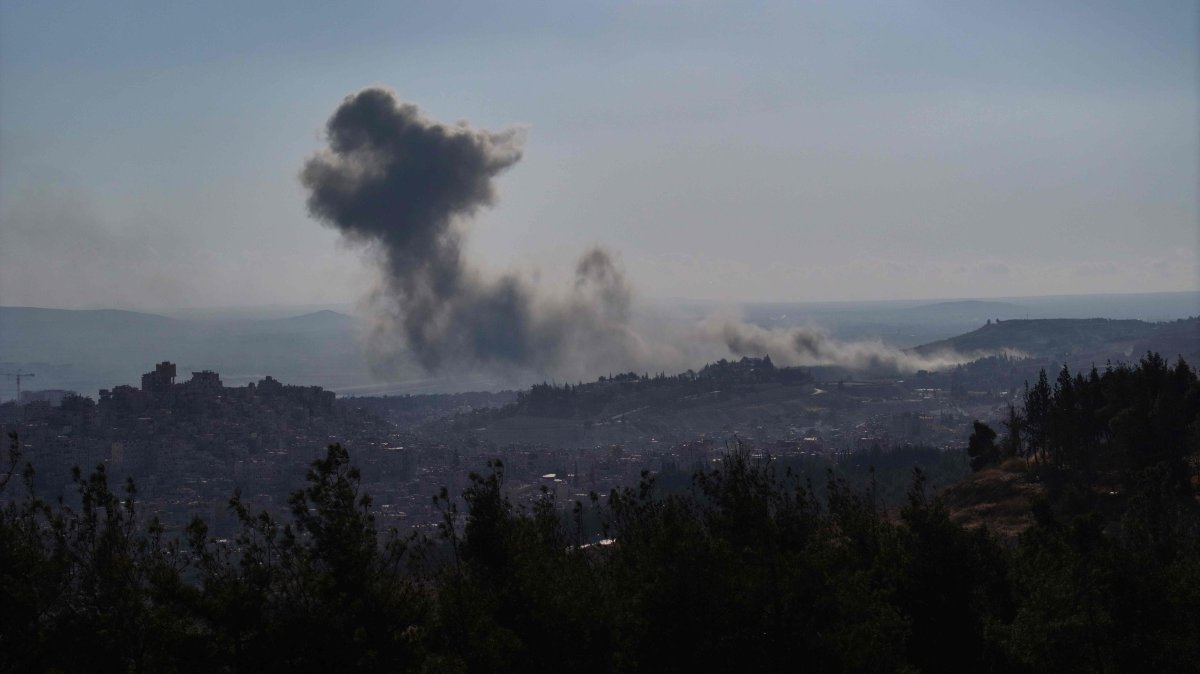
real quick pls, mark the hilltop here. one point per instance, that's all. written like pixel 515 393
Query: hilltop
pixel 789 409
pixel 317 320
pixel 1072 338
pixel 999 498
pixel 754 398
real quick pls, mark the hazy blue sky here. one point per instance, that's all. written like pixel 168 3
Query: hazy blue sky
pixel 792 151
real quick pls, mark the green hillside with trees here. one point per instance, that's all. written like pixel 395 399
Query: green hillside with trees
pixel 750 568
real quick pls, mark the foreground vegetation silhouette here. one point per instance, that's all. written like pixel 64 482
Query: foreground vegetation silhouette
pixel 749 569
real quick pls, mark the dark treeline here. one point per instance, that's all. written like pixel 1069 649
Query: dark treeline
pixel 885 474
pixel 748 569
pixel 1102 430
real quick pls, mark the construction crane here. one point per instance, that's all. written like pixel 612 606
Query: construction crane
pixel 18 374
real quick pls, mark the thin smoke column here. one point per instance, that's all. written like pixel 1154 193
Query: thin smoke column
pixel 404 187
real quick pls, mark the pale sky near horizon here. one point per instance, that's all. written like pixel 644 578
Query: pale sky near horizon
pixel 731 151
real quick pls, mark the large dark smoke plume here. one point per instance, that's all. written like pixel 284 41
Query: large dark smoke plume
pixel 404 186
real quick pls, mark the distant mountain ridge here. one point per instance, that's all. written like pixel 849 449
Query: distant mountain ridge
pixel 88 349
pixel 1076 337
pixel 41 317
pixel 971 307
pixel 322 316
pixel 85 350
pixel 324 320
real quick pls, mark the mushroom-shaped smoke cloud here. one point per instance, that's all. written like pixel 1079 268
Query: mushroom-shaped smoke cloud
pixel 404 186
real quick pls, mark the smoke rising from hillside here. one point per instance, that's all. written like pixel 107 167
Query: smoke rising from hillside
pixel 404 187
pixel 812 346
